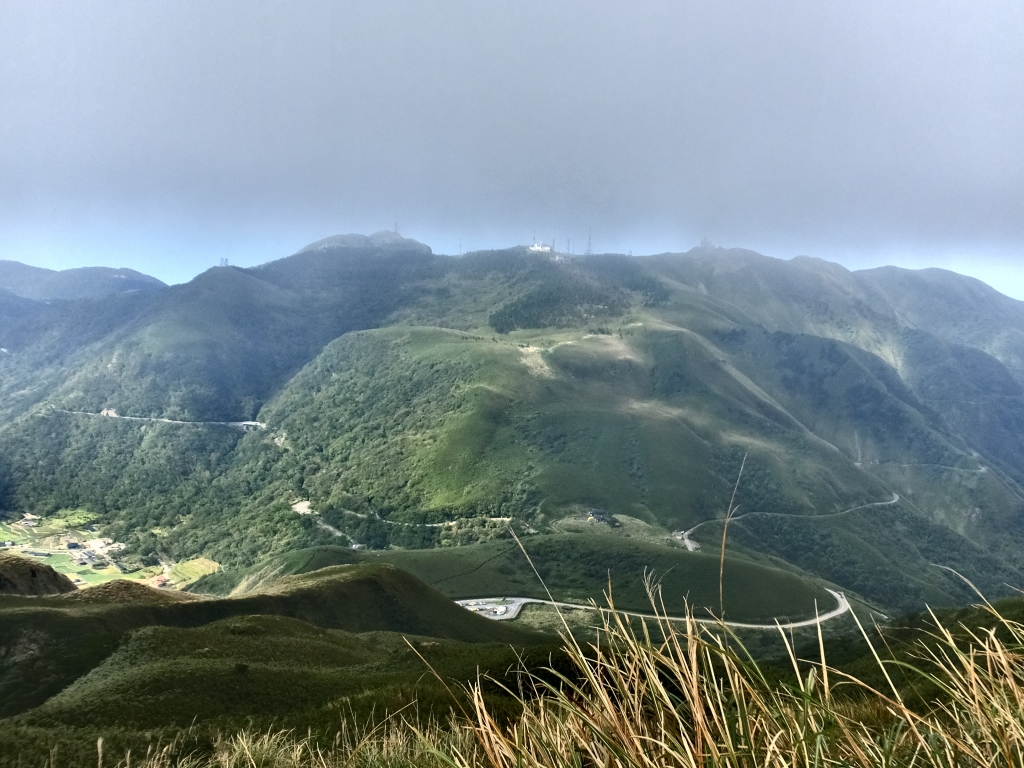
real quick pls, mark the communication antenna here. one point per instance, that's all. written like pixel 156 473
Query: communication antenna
pixel 396 226
pixel 590 249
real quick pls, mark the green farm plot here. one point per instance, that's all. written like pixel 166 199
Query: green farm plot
pixel 17 534
pixel 72 518
pixel 191 570
pixel 47 542
pixel 85 575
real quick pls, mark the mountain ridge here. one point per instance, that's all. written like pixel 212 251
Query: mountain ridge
pixel 403 390
pixel 75 284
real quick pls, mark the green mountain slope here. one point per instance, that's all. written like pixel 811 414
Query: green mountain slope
pixel 72 284
pixel 417 400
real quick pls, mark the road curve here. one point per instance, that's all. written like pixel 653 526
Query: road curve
pixel 690 544
pixel 487 606
pixel 243 425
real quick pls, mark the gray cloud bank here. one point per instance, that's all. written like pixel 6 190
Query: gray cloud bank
pixel 166 134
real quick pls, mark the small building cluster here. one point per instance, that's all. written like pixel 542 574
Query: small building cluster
pixel 595 515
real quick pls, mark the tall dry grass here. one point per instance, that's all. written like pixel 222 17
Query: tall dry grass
pixel 393 744
pixel 694 698
pixel 668 693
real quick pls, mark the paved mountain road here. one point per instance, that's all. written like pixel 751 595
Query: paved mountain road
pixel 505 608
pixel 243 425
pixel 691 545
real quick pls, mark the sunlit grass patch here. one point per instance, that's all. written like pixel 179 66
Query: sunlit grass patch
pixel 192 570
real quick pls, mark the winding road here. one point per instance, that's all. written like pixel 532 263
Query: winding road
pixel 243 425
pixel 506 608
pixel 691 545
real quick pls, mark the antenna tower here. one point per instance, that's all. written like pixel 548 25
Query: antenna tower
pixel 590 249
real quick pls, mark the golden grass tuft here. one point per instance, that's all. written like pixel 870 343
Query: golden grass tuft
pixel 392 744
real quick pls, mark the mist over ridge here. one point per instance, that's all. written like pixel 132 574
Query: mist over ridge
pixel 866 135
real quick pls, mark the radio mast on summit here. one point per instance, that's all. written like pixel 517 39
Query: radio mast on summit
pixel 590 249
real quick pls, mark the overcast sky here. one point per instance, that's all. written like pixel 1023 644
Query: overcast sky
pixel 164 136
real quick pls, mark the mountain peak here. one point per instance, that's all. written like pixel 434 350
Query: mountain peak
pixel 43 284
pixel 385 239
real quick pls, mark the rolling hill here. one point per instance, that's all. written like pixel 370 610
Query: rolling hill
pixel 25 576
pixel 573 568
pixel 421 401
pixel 46 643
pixel 132 663
pixel 72 284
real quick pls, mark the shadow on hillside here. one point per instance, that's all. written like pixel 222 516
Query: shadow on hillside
pixel 6 488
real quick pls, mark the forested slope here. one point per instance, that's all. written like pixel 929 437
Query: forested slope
pixel 418 400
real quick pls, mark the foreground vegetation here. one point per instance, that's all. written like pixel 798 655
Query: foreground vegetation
pixel 679 694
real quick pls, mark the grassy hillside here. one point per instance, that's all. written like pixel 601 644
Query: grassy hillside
pixel 23 576
pixel 263 668
pixel 133 664
pixel 47 643
pixel 418 401
pixel 579 568
pixel 575 568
